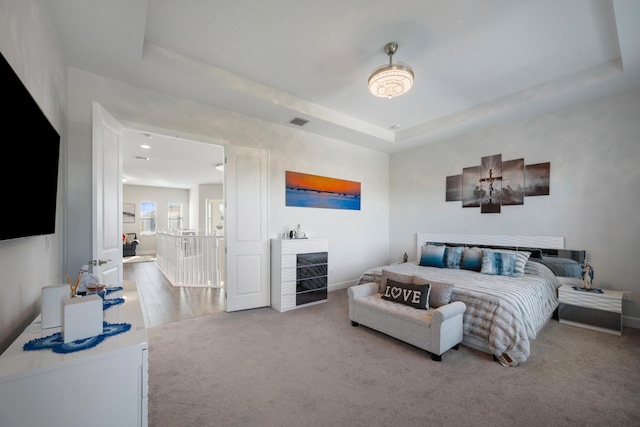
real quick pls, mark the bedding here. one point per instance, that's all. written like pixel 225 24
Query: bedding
pixel 504 311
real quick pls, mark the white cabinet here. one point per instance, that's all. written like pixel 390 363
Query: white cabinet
pixel 102 386
pixel 299 269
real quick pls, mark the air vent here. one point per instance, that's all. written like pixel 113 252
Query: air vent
pixel 142 158
pixel 299 122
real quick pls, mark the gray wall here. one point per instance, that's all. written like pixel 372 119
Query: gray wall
pixel 162 196
pixel 357 239
pixel 594 151
pixel 28 43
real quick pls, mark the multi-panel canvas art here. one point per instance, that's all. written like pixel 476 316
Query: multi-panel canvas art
pixel 313 191
pixel 537 177
pixel 496 183
pixel 513 182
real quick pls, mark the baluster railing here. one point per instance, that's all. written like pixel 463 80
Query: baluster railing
pixel 187 259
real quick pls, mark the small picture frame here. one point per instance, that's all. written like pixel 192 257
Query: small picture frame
pixel 128 212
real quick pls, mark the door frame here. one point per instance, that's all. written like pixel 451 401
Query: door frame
pixel 248 263
pixel 228 148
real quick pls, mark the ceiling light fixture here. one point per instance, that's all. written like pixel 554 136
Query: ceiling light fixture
pixel 391 80
pixel 220 167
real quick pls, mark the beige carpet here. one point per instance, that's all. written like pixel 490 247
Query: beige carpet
pixel 138 258
pixel 310 367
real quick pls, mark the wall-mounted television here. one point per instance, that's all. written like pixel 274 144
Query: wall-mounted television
pixel 29 171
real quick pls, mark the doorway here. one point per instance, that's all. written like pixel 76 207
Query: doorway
pixel 172 172
pixel 246 172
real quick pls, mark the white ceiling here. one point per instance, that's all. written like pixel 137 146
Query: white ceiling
pixel 476 62
pixel 172 162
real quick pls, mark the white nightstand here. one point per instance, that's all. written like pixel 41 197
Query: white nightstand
pixel 598 311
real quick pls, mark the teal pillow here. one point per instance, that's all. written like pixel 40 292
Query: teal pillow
pixel 453 256
pixel 471 259
pixel 432 256
pixel 502 263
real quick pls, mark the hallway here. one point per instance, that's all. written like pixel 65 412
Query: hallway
pixel 164 303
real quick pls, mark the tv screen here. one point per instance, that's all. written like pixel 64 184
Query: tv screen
pixel 29 173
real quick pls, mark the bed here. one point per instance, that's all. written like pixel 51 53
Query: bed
pixel 505 310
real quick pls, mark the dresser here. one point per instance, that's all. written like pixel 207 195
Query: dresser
pixel 103 386
pixel 598 311
pixel 299 269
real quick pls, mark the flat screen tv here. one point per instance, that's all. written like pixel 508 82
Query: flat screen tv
pixel 29 171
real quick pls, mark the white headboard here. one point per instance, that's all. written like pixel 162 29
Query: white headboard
pixel 549 242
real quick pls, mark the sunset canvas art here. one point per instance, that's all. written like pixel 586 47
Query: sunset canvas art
pixel 313 191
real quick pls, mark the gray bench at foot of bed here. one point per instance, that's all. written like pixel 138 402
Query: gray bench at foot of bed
pixel 435 330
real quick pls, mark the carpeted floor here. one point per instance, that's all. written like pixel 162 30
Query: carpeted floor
pixel 310 367
pixel 138 258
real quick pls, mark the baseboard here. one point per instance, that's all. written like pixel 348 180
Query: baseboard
pixel 341 285
pixel 631 322
pixel 145 252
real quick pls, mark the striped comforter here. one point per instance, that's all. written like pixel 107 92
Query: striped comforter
pixel 506 312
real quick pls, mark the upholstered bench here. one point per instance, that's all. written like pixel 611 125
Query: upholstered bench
pixel 434 330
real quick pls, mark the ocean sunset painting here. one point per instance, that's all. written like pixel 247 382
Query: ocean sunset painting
pixel 313 191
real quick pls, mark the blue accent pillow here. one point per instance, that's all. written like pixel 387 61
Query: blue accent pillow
pixel 471 259
pixel 416 296
pixel 452 256
pixel 432 256
pixel 501 263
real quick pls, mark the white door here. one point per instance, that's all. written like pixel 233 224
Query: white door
pixel 246 174
pixel 107 197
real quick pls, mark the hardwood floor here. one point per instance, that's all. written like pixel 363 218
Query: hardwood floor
pixel 164 303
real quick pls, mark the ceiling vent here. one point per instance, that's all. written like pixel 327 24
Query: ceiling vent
pixel 299 122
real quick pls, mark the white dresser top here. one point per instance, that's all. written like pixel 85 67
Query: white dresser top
pixel 15 361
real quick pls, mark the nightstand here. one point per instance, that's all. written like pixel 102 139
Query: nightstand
pixel 592 310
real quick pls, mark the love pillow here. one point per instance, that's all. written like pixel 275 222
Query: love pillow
pixel 416 296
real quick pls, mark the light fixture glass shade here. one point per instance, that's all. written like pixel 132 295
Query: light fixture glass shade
pixel 391 80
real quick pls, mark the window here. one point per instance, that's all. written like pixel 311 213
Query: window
pixel 215 216
pixel 148 216
pixel 175 216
